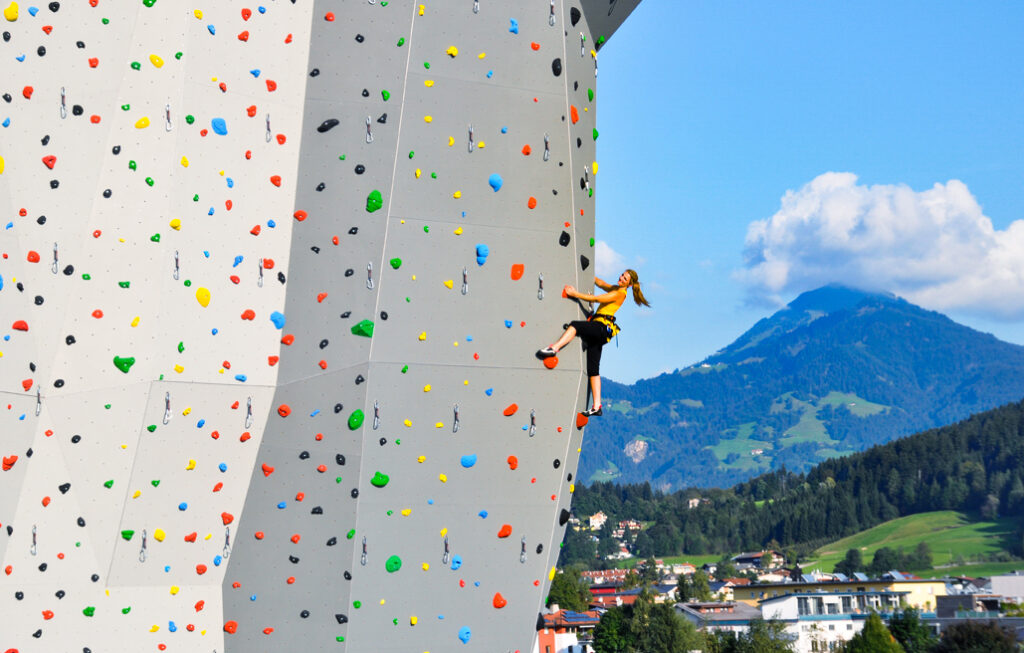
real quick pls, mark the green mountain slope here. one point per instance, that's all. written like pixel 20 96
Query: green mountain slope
pixel 835 372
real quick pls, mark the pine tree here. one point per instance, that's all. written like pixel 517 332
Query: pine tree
pixel 873 638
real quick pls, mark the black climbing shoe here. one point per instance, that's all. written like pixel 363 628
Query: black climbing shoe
pixel 547 352
pixel 594 412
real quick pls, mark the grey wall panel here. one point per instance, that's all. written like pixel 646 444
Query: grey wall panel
pixel 202 262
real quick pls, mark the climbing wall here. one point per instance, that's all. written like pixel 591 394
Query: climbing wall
pixel 271 283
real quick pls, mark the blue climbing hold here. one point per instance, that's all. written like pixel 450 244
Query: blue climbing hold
pixel 223 467
pixel 513 25
pixel 262 9
pixel 489 391
pixel 482 514
pixel 282 505
pixel 220 126
pixel 171 626
pixel 241 378
pixel 465 634
pixel 508 324
pixel 504 130
pixel 33 10
pixel 495 181
pixel 277 318
pixel 217 560
pixel 468 460
pixel 211 29
pixel 1 282
pixel 238 259
pixel 183 506
pixel 456 562
pixel 255 72
pixel 201 423
pixel 482 252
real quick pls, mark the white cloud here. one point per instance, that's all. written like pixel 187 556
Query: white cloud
pixel 608 262
pixel 934 247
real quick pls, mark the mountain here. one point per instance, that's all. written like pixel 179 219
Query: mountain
pixel 836 371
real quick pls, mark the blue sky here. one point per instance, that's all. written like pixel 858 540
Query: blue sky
pixel 711 112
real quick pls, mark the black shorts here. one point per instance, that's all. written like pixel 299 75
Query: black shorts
pixel 594 335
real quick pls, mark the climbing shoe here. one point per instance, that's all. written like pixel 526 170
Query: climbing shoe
pixel 547 352
pixel 593 412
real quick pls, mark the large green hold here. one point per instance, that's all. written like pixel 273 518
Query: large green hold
pixel 364 328
pixel 355 420
pixel 393 564
pixel 379 480
pixel 124 364
pixel 374 201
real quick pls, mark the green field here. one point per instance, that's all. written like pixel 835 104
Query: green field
pixel 695 560
pixel 609 473
pixel 856 405
pixel 948 533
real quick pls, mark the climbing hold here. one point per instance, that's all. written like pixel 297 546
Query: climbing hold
pixel 517 271
pixel 374 201
pixel 531 203
pixel 551 363
pixel 393 564
pixel 513 25
pixel 556 67
pixel 584 262
pixel 363 328
pixel 564 239
pixel 379 479
pixel 278 319
pixel 581 420
pixel 396 263
pixel 220 126
pixel 11 12
pixel 124 364
pixel 574 114
pixel 231 627
pixel 510 410
pixel 203 296
pixel 468 460
pixel 499 601
pixel 355 420
pixel 328 125
pixel 495 181
pixel 284 410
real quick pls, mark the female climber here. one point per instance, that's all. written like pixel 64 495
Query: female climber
pixel 599 328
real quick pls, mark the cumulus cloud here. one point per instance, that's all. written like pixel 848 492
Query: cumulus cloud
pixel 934 247
pixel 608 262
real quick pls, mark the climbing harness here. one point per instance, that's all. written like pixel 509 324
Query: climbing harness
pixel 609 322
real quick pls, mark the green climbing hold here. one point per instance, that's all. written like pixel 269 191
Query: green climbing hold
pixel 187 283
pixel 374 201
pixel 109 484
pixel 190 119
pixel 105 21
pixel 149 3
pixel 151 428
pixel 136 65
pixel 357 604
pixel 401 41
pixel 86 277
pixel 349 535
pixel 426 64
pixel 595 133
pixel 426 229
pixel 364 328
pixel 393 564
pixel 195 198
pixel 155 238
pixel 127 535
pixel 126 610
pixel 355 420
pixel 341 157
pixel 433 175
pixel 132 165
pixel 386 94
pixel 590 94
pixel 181 347
pixel 89 611
pixel 124 364
pixel 405 368
pixel 379 480
pixel 124 284
pixel 150 181
pixel 591 242
pixel 179 55
pixel 412 153
pixel 396 263
pixel 337 480
pixel 390 512
pixel 155 482
pixel 125 107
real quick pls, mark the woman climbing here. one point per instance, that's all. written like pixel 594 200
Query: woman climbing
pixel 599 328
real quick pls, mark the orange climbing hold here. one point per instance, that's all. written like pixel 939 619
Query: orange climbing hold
pixel 295 538
pixel 288 339
pixel 47 614
pixel 251 110
pixel 535 46
pixel 26 384
pixel 513 462
pixel 271 84
pixel 574 114
pixel 246 13
pixel 93 62
pixel 49 161
pixel 97 314
pixel 231 627
pixel 27 92
pixel 276 180
pixel 243 36
pixel 200 605
pixel 191 537
pixel 511 410
pixel 46 501
pixel 268 264
pixel 267 470
pixel 8 462
pixel 200 569
pixel 20 325
pixel 322 364
pixel 531 203
pixel 551 363
pixel 321 297
pixel 517 271
pixel 499 601
pixel 581 420
pixel 272 360
pixel 227 518
pixel 33 257
pixel 259 535
pixel 505 531
pixel 284 410
pixel 526 150
pixel 249 314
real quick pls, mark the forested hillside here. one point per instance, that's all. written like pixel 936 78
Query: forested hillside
pixel 976 465
pixel 835 372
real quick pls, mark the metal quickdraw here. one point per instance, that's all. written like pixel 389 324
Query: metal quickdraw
pixel 540 286
pixel 476 6
pixel 469 146
pixel 369 133
pixel 63 104
pixel 455 424
pixel 376 415
pixel 268 135
pixel 177 266
pixel 53 268
pixel 142 550
pixel 369 276
pixel 447 552
pixel 583 44
pixel 465 281
pixel 34 548
pixel 551 17
pixel 167 408
pixel 39 401
pixel 168 126
pixel 227 541
pixel 547 147
pixel 259 279
pixel 522 552
pixel 362 559
pixel 533 422
pixel 248 412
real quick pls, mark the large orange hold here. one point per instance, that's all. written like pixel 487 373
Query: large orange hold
pixel 231 627
pixel 551 363
pixel 581 420
pixel 505 531
pixel 517 271
pixel 574 115
pixel 284 410
pixel 499 601
pixel 510 410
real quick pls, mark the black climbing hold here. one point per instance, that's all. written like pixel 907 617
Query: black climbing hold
pixel 45 140
pixel 579 142
pixel 383 441
pixel 54 7
pixel 328 125
pixel 346 314
pixel 70 340
pixel 59 383
pixel 348 575
pixel 569 478
pixel 7 37
pixel 69 270
pixel 360 169
pixel 366 92
pixel 575 86
pixel 342 619
pixel 540 547
pixel 320 187
pixel 10 530
pixel 41 50
pixel 294 560
pixel 39 300
pixel 323 343
pixel 32 366
pixel 107 193
pixel 41 220
pixel 360 378
pixel 19 595
pixel 338 408
pixel 77 110
pixel 316 250
pixel 340 459
pixel 314 73
pixel 54 183
pixel 86 649
pixel 332 541
pixel 64 487
pixel 43 567
pixel 563 517
pixel 383 315
pixel 564 239
pixel 116 150
pixel 353 231
pixel 304 614
pixel 28 454
pixel 359 38
pixel 20 286
pixel 383 119
pixel 7 98
pixel 280 277
pixel 556 67
pixel 59 594
pixel 38 633
pixel 349 272
pixel 355 493
pixel 80 45
pixel 317 511
pixel 584 262
pixel 81 522
pixel 76 438
pixel 304 455
pixel 574 16
pixel 94 578
pixel 557 463
pixel 583 183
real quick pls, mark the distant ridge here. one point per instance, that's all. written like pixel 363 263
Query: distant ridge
pixel 835 371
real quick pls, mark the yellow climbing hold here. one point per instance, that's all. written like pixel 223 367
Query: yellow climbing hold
pixel 481 144
pixel 412 621
pixel 421 459
pixel 407 423
pixel 428 118
pixel 442 478
pixel 138 493
pixel 426 566
pixel 156 61
pixel 198 13
pixel 439 425
pixel 176 224
pixel 203 297
pixel 444 531
pixel 594 167
pixel 135 321
pixel 457 194
pixel 154 628
pixel 407 512
pixel 458 232
pixel 422 9
pixel 449 284
pixel 426 388
pixel 1 165
pixel 184 161
pixel 174 589
pixel 179 369
pixel 481 55
pixel 551 574
pixel 423 336
pixel 452 51
pixel 428 83
pixel 418 173
pixel 187 411
pixel 455 344
pixel 572 488
pixel 191 464
pixel 451 141
pixel 142 123
pixel 208 536
pixel 11 13
pixel 159 535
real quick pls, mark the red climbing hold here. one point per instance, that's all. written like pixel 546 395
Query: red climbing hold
pixel 47 614
pixel 300 215
pixel 246 13
pixel 513 462
pixel 227 518
pixel 284 410
pixel 200 605
pixel 20 325
pixel 27 383
pixel 235 279
pixel 243 36
pixel 255 231
pixel 281 138
pixel 46 501
pixel 322 364
pixel 531 203
pixel 329 16
pixel 244 437
pixel 505 531
pixel 267 631
pixel 258 535
pixel 574 114
pixel 535 46
pixel 47 28
pixel 267 469
pixel 276 180
pixel 8 462
pixel 321 297
pixel 251 110
pixel 191 537
pixel 288 339
pixel 295 538
pixel 33 257
pixel 499 601
pixel 248 314
pixel 272 360
pixel 551 363
pixel 49 161
pixel 218 487
pixel 271 84
pixel 268 264
pixel 581 420
pixel 517 271
pixel 231 627
pixel 97 314
pixel 526 150
pixel 27 92
pixel 93 62
pixel 200 569
pixel 510 410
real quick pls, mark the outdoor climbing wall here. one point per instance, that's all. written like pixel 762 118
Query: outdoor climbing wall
pixel 271 281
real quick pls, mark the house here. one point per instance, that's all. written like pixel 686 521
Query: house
pixel 719 616
pixel 1009 585
pixel 600 576
pixel 760 560
pixel 630 525
pixel 822 621
pixel 920 593
pixel 566 631
pixel 597 520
